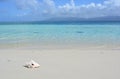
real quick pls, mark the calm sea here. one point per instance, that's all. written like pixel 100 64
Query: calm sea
pixel 72 34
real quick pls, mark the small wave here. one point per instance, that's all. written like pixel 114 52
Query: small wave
pixel 35 32
pixel 79 32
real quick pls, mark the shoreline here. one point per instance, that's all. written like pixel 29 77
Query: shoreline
pixel 54 46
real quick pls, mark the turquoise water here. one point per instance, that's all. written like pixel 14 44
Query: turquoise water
pixel 60 33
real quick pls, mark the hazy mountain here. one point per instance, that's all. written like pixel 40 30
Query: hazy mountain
pixel 69 20
pixel 106 18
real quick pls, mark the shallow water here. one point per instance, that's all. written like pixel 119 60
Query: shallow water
pixel 60 34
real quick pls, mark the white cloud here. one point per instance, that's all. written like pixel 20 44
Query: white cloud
pixel 113 2
pixel 117 2
pixel 91 5
pixel 107 8
pixel 49 3
pixel 72 3
pixel 27 4
pixel 83 11
pixel 47 8
pixel 36 7
pixel 68 6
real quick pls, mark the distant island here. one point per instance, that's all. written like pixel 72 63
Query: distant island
pixel 68 20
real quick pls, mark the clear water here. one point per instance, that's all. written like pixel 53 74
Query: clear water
pixel 60 33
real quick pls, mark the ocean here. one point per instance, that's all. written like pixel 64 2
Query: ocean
pixel 69 34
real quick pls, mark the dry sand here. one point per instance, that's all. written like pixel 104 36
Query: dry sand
pixel 60 64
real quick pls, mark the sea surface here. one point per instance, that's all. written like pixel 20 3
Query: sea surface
pixel 76 34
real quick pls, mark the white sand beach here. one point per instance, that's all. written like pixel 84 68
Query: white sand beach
pixel 59 39
pixel 60 64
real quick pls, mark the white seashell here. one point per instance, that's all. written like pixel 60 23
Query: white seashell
pixel 32 64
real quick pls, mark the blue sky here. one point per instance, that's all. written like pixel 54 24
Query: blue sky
pixel 36 10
